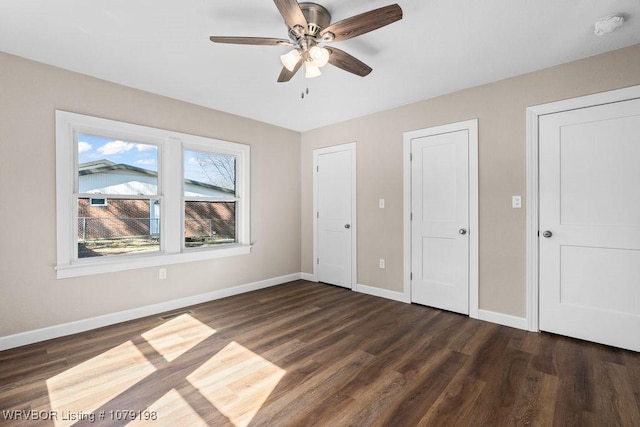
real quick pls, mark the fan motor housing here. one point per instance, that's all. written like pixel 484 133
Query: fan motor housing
pixel 317 18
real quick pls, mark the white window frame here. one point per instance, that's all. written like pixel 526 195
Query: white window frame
pixel 170 193
pixel 220 149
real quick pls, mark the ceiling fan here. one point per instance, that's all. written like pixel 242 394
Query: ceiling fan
pixel 310 30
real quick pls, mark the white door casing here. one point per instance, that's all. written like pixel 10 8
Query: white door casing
pixel 443 217
pixel 334 215
pixel 589 217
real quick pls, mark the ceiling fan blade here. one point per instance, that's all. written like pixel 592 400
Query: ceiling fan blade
pixel 291 12
pixel 263 41
pixel 363 23
pixel 342 59
pixel 286 75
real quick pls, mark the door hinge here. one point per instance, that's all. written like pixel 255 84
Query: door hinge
pixel 317 168
pixel 410 276
pixel 317 214
pixel 317 260
pixel 411 216
pixel 411 157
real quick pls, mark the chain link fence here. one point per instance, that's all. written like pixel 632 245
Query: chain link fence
pixel 128 225
pixel 90 228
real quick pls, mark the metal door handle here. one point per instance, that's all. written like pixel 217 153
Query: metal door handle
pixel 347 226
pixel 462 231
pixel 547 234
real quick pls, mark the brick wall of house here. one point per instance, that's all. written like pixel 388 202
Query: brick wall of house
pixel 128 218
pixel 210 219
pixel 120 218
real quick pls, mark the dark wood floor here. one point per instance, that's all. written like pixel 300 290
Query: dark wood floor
pixel 310 354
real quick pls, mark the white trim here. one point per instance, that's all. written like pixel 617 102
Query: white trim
pixel 472 127
pixel 170 192
pixel 354 226
pixel 149 260
pixel 533 114
pixel 382 293
pixel 474 237
pixel 30 337
pixel 503 319
pixel 406 217
pixel 532 222
pixel 308 277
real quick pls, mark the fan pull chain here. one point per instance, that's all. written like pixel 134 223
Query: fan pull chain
pixel 305 92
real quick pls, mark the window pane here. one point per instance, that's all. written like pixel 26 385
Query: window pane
pixel 122 226
pixel 109 166
pixel 209 223
pixel 209 174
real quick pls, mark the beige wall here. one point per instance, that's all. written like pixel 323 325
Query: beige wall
pixel 30 295
pixel 500 109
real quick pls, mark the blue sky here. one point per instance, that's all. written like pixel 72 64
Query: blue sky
pixel 92 148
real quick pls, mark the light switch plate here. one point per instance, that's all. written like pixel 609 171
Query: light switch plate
pixel 381 203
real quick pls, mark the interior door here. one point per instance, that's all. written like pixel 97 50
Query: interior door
pixel 334 188
pixel 590 223
pixel 440 220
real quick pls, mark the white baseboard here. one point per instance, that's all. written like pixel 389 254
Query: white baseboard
pixel 503 319
pixel 308 277
pixel 382 293
pixel 30 337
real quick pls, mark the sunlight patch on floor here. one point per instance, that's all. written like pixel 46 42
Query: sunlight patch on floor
pixel 177 336
pixel 91 384
pixel 237 382
pixel 171 406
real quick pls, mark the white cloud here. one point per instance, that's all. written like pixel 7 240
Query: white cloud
pixel 83 147
pixel 145 147
pixel 146 162
pixel 115 147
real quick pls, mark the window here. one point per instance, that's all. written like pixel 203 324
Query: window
pixel 125 172
pixel 97 202
pixel 131 196
pixel 209 198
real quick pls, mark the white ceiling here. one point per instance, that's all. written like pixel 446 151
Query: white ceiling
pixel 440 46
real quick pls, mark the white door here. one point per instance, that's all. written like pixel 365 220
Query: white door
pixel 589 223
pixel 440 220
pixel 335 213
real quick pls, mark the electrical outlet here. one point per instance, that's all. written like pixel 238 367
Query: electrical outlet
pixel 381 263
pixel 516 202
pixel 162 273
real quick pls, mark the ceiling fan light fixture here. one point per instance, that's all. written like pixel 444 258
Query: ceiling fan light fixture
pixel 311 70
pixel 310 29
pixel 289 60
pixel 320 55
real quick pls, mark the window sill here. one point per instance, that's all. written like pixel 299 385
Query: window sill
pixel 93 266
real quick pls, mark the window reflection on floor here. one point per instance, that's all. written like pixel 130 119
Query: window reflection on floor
pixel 235 381
pixel 89 385
pixel 177 336
pixel 223 380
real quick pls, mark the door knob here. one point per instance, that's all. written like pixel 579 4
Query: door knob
pixel 347 226
pixel 462 231
pixel 547 234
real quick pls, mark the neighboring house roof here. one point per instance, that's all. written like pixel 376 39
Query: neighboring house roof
pixel 102 166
